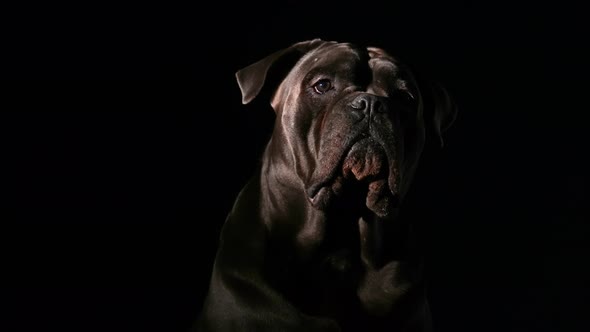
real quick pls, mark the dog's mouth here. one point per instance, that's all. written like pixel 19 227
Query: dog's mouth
pixel 366 171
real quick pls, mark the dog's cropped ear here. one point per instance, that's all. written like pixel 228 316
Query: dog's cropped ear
pixel 440 111
pixel 252 78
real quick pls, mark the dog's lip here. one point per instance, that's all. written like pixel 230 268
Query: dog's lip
pixel 324 185
pixel 314 188
pixel 314 198
pixel 377 201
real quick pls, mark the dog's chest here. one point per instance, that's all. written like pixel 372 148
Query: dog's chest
pixel 319 265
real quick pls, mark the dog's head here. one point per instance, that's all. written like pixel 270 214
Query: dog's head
pixel 347 117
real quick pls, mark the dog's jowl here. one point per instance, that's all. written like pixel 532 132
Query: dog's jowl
pixel 314 241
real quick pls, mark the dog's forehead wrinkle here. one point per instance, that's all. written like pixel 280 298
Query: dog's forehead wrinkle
pixel 334 53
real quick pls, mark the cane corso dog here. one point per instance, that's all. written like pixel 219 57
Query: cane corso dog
pixel 314 242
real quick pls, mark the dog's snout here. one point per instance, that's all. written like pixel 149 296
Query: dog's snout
pixel 367 104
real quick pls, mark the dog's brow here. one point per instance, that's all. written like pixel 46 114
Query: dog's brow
pixel 378 64
pixel 317 73
pixel 386 76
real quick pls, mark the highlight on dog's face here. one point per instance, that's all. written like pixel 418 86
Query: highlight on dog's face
pixel 352 105
pixel 356 112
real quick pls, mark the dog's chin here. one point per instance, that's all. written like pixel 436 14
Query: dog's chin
pixel 377 197
pixel 362 182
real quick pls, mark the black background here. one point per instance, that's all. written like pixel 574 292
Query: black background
pixel 124 143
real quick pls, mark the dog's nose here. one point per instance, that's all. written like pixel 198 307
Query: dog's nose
pixel 367 104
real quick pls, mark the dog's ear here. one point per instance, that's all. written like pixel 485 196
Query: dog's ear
pixel 252 78
pixel 440 110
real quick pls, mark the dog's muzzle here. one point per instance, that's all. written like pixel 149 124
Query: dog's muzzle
pixel 366 160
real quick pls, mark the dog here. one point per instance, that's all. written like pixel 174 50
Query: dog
pixel 314 241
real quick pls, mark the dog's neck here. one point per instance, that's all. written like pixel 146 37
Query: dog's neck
pixel 287 207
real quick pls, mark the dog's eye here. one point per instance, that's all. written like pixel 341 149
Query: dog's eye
pixel 322 86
